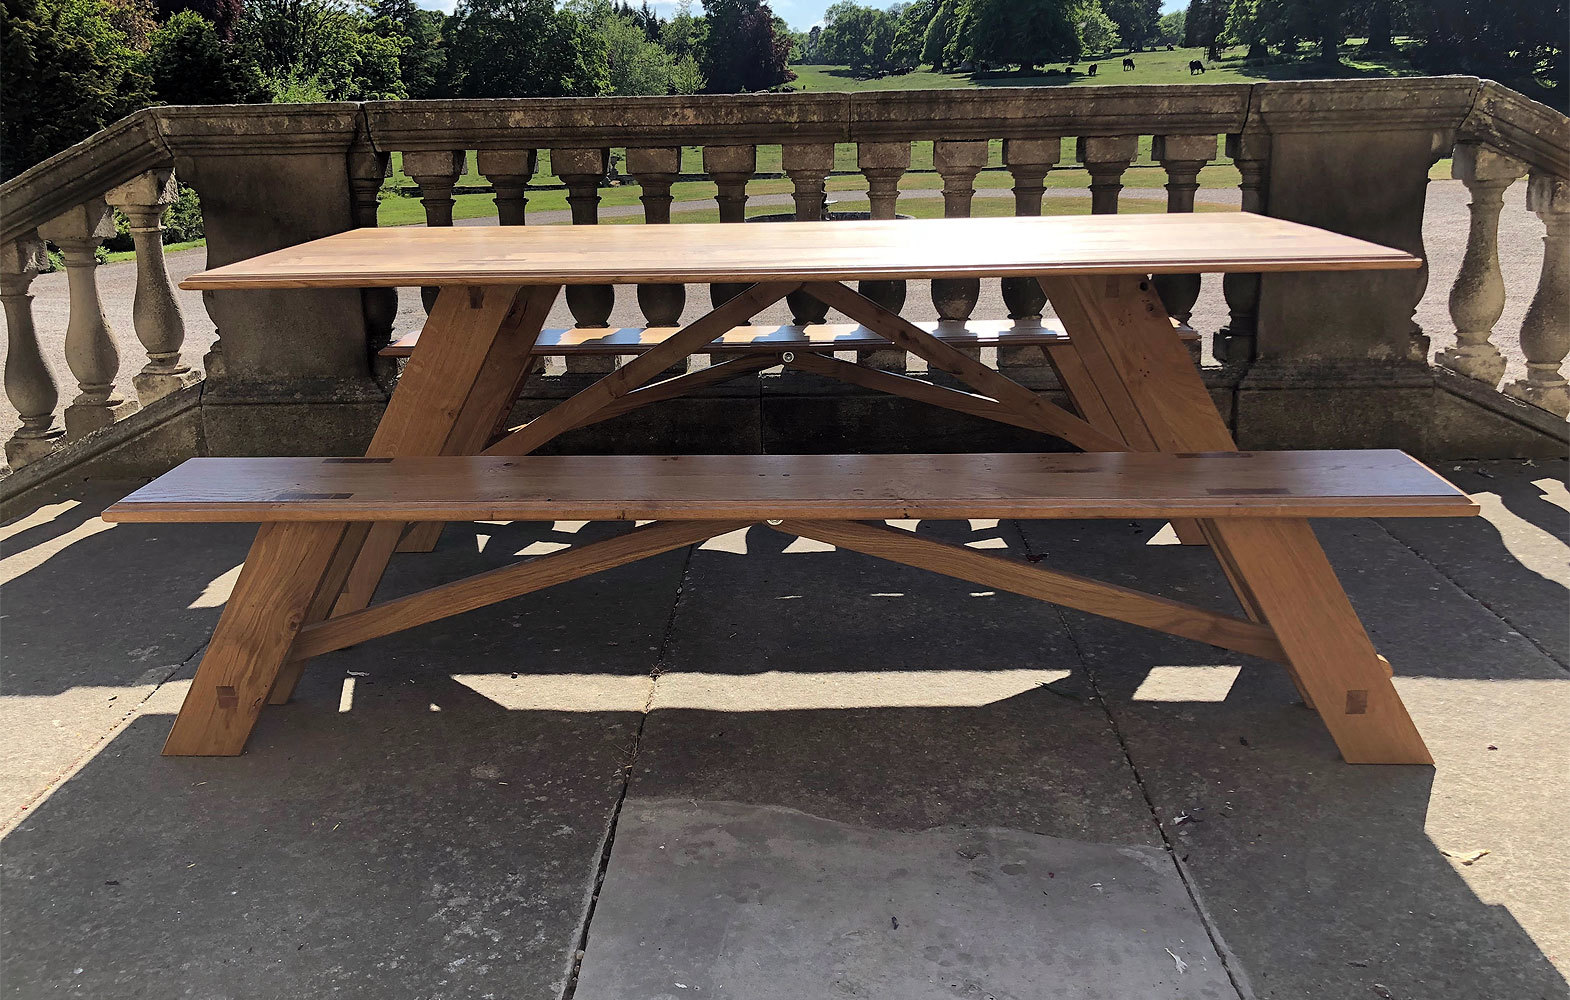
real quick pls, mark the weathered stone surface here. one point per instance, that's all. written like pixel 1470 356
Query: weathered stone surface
pixel 936 914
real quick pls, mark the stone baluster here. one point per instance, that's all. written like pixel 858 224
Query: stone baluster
pixel 509 171
pixel 883 164
pixel 1478 297
pixel 1182 156
pixel 656 169
pixel 1545 330
pixel 436 172
pixel 730 167
pixel 367 172
pixel 1028 161
pixel 29 385
pixel 807 164
pixel 1106 157
pixel 582 170
pixel 90 350
pixel 155 312
pixel 957 162
pixel 1234 343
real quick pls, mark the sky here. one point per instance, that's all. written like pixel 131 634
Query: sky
pixel 799 14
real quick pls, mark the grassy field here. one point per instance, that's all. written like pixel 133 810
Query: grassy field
pixel 1150 67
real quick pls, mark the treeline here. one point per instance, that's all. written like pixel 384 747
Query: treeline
pixel 980 34
pixel 70 67
pixel 1517 42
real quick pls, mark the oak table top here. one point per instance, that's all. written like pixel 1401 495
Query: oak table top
pixel 805 251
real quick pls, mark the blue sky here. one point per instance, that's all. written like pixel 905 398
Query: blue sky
pixel 799 14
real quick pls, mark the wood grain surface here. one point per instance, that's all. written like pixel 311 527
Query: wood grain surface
pixel 841 250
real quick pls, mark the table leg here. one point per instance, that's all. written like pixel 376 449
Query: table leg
pixel 452 394
pixel 281 576
pixel 1276 568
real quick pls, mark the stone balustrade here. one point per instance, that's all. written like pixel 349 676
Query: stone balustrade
pixel 296 370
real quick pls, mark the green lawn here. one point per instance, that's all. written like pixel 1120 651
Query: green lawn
pixel 1150 67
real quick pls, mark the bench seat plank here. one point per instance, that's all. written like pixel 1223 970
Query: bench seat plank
pixel 580 340
pixel 757 487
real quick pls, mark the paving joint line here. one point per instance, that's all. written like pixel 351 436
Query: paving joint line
pixel 27 808
pixel 1555 660
pixel 627 769
pixel 1234 976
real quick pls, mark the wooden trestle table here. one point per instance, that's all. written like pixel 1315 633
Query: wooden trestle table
pixel 1128 374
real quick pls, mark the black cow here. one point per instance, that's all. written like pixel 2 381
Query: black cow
pixel 1195 66
pixel 1092 70
pixel 1128 64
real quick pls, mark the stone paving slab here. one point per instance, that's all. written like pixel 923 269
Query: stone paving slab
pixel 393 832
pixel 773 904
pixel 1328 880
pixel 420 822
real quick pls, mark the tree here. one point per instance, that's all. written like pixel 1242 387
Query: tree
pixel 524 48
pixel 1246 26
pixel 1022 32
pixel 1204 24
pixel 910 34
pixel 939 34
pixel 1098 33
pixel 1520 43
pixel 422 57
pixel 1170 31
pixel 1138 21
pixel 66 72
pixel 680 33
pixel 222 14
pixel 189 63
pixel 686 77
pixel 744 50
pixel 636 65
pixel 860 37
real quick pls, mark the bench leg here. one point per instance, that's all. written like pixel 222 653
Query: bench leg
pixel 472 354
pixel 350 541
pixel 1291 582
pixel 281 575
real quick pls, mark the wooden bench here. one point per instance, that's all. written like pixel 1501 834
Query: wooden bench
pixel 1252 506
pixel 765 338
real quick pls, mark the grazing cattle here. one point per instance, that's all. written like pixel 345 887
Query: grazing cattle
pixel 1069 71
pixel 1092 70
pixel 1128 64
pixel 1170 48
pixel 1195 66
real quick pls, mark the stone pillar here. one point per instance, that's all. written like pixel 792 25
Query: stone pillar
pixel 509 171
pixel 1478 297
pixel 1182 156
pixel 957 162
pixel 582 170
pixel 1545 330
pixel 28 383
pixel 155 313
pixel 367 172
pixel 90 350
pixel 807 165
pixel 731 167
pixel 1106 157
pixel 1234 343
pixel 656 169
pixel 883 164
pixel 1335 361
pixel 292 374
pixel 437 172
pixel 1028 161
